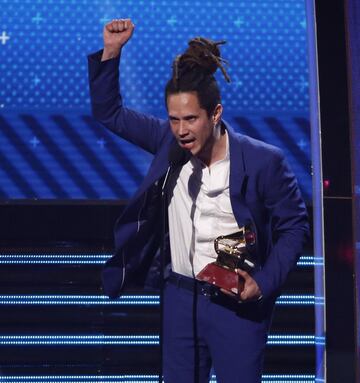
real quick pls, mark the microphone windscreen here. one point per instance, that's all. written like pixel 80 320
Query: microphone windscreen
pixel 178 156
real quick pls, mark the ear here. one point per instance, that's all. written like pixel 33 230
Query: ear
pixel 217 113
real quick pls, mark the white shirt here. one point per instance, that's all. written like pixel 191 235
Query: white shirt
pixel 199 211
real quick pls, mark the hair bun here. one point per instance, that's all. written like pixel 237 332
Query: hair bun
pixel 201 57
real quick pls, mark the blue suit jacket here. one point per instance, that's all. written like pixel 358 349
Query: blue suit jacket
pixel 262 189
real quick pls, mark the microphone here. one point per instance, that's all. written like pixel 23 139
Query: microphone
pixel 177 157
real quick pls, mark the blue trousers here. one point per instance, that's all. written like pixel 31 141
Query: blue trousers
pixel 203 328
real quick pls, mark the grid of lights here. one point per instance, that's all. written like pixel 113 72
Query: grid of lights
pixel 305 261
pixel 129 300
pixel 300 300
pixel 135 340
pixel 310 261
pixel 132 300
pixel 138 379
pixel 91 259
pixel 100 340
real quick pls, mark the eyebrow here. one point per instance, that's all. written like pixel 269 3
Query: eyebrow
pixel 189 117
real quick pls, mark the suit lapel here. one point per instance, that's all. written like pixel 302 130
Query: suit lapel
pixel 238 177
pixel 158 167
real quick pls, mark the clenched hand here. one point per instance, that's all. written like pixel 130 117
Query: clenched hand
pixel 116 34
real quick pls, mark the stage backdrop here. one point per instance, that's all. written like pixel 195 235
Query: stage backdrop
pixel 51 148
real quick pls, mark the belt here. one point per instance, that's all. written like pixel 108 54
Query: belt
pixel 248 309
pixel 193 285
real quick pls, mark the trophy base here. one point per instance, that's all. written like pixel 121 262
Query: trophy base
pixel 224 278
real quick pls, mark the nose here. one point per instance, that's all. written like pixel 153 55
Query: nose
pixel 183 130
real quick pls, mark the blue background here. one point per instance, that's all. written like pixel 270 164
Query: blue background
pixel 51 148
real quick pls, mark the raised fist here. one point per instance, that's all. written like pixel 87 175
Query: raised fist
pixel 116 34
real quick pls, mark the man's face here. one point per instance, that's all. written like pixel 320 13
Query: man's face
pixel 190 124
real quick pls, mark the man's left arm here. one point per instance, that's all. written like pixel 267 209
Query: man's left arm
pixel 288 224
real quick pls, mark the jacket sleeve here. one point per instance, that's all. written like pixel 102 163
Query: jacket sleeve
pixel 288 225
pixel 106 103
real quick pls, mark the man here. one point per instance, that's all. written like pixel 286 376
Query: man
pixel 230 179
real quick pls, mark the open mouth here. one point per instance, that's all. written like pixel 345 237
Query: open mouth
pixel 187 143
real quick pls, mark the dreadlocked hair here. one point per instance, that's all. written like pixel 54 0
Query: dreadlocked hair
pixel 194 70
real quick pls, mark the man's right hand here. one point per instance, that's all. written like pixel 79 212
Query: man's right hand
pixel 116 34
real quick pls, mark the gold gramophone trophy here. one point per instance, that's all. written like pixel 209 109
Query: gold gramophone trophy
pixel 235 251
